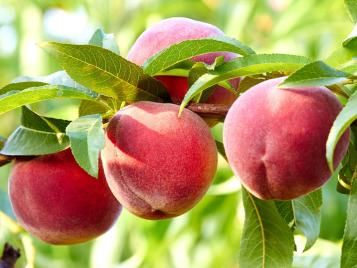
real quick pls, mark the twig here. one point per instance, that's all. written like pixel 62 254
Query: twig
pixel 9 256
pixel 5 159
pixel 209 110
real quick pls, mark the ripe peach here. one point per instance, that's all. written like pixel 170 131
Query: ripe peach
pixel 54 199
pixel 158 165
pixel 275 139
pixel 175 30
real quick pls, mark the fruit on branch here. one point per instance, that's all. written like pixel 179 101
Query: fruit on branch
pixel 54 199
pixel 158 165
pixel 175 30
pixel 275 139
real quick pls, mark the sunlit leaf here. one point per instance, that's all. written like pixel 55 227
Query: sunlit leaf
pixel 315 74
pixel 249 65
pixel 340 125
pixel 15 99
pixel 351 6
pixel 106 73
pixel 187 49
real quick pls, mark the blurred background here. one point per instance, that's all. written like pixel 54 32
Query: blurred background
pixel 209 235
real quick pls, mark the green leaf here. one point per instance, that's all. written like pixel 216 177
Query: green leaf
pixel 349 247
pixel 340 57
pixel 187 49
pixel 249 65
pixel 316 73
pixel 106 73
pixel 351 40
pixel 88 107
pixel 37 135
pixel 18 86
pixel 14 99
pixel 340 125
pixel 267 240
pixel 303 215
pixel 107 41
pixel 308 217
pixel 351 6
pixel 285 209
pixel 87 140
pixel 56 78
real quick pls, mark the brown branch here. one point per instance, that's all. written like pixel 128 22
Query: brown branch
pixel 5 159
pixel 9 256
pixel 209 110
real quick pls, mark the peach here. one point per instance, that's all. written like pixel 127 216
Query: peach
pixel 275 139
pixel 55 200
pixel 175 30
pixel 158 165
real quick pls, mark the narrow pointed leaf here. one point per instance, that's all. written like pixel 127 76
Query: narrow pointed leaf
pixel 316 73
pixel 340 125
pixel 187 49
pixel 249 65
pixel 308 217
pixel 18 86
pixel 267 240
pixel 349 247
pixel 105 72
pixel 15 99
pixel 87 140
pixel 37 135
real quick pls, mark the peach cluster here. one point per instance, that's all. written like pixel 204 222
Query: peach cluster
pixel 158 165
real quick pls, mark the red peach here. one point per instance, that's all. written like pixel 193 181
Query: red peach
pixel 275 139
pixel 158 165
pixel 54 199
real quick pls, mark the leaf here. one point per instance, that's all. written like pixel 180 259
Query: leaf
pixel 340 57
pixel 37 135
pixel 303 215
pixel 14 99
pixel 249 65
pixel 106 73
pixel 351 6
pixel 285 209
pixel 107 41
pixel 308 217
pixel 340 125
pixel 315 74
pixel 351 40
pixel 187 49
pixel 87 140
pixel 267 240
pixel 56 78
pixel 18 86
pixel 349 246
pixel 88 107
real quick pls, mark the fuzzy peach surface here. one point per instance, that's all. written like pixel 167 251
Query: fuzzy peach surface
pixel 157 164
pixel 54 199
pixel 275 139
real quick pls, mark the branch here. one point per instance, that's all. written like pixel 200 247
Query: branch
pixel 209 110
pixel 9 256
pixel 5 159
